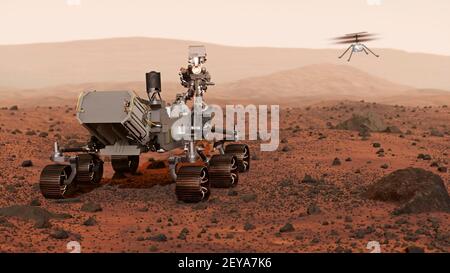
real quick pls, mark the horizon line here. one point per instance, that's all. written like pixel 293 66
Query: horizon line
pixel 204 42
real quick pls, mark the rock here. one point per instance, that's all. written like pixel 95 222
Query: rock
pixel 229 236
pixel 424 157
pixel 248 226
pixel 286 149
pixel 158 238
pixel 362 232
pixel 39 215
pixel 91 207
pixel 30 133
pixel 287 228
pixel 336 162
pixel 232 193
pixel 340 249
pixel 66 201
pixel 27 163
pixel 11 188
pixel 348 159
pixel 369 122
pixel 183 234
pixel 309 180
pixel 364 133
pixel 153 248
pixel 313 209
pixel 5 223
pixel 35 203
pixel 401 221
pixel 143 209
pixel 43 134
pixel 414 249
pixel 384 166
pixel 286 183
pixel 415 190
pixel 434 164
pixel 376 145
pixel 90 222
pixel 14 108
pixel 442 169
pixel 42 224
pixel 200 206
pixel 59 234
pixel 411 237
pixel 436 133
pixel 393 130
pixel 249 197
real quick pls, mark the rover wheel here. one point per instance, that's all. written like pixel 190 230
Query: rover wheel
pixel 125 164
pixel 192 184
pixel 89 169
pixel 223 171
pixel 52 181
pixel 242 153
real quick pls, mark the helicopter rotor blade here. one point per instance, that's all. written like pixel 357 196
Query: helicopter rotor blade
pixel 367 39
pixel 351 41
pixel 346 37
pixel 356 33
pixel 345 42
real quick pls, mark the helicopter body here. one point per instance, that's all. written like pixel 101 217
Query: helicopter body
pixel 356 41
pixel 358 48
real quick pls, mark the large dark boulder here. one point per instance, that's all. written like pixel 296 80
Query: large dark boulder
pixel 415 190
pixel 366 121
pixel 393 130
pixel 39 215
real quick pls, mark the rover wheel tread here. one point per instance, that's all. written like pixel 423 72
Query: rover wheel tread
pixel 192 184
pixel 52 181
pixel 223 171
pixel 242 153
pixel 89 169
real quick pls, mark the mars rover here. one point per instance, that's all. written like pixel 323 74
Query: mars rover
pixel 123 126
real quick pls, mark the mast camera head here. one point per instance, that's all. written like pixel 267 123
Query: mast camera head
pixel 197 57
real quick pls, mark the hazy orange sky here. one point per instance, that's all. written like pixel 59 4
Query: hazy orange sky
pixel 413 25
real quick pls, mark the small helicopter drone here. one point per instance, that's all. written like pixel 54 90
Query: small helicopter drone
pixel 356 43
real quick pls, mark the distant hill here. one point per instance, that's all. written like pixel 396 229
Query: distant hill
pixel 326 82
pixel 296 87
pixel 126 60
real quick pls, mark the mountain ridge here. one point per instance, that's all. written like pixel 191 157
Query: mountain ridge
pixel 127 59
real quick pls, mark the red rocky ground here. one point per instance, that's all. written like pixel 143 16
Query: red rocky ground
pixel 273 209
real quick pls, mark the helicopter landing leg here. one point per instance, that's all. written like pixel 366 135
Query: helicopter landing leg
pixel 367 53
pixel 371 51
pixel 346 51
pixel 349 58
